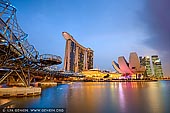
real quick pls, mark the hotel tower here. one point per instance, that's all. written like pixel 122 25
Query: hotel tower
pixel 77 57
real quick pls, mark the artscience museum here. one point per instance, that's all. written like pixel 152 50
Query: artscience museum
pixel 131 69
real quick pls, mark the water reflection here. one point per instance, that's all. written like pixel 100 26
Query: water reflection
pixel 103 97
pixel 121 98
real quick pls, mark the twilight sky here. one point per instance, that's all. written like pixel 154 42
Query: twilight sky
pixel 112 28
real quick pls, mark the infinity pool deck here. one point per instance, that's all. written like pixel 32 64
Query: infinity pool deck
pixel 20 91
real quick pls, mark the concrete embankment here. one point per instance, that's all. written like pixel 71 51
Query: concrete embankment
pixel 44 84
pixel 20 91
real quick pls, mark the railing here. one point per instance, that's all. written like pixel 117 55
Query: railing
pixel 50 57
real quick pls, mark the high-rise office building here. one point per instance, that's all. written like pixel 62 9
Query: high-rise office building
pixel 145 61
pixel 157 66
pixel 77 58
pixel 153 66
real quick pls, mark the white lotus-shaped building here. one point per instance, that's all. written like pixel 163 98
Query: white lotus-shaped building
pixel 131 68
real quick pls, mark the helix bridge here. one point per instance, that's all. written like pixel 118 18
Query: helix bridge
pixel 19 60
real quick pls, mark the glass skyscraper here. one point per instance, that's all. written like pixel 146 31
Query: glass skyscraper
pixel 145 61
pixel 153 66
pixel 157 66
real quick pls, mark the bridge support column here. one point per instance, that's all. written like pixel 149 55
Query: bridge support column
pixel 28 77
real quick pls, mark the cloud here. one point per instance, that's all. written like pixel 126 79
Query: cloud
pixel 157 20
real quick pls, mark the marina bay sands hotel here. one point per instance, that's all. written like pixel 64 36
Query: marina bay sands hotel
pixel 77 57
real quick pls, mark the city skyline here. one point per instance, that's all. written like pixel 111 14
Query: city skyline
pixel 111 28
